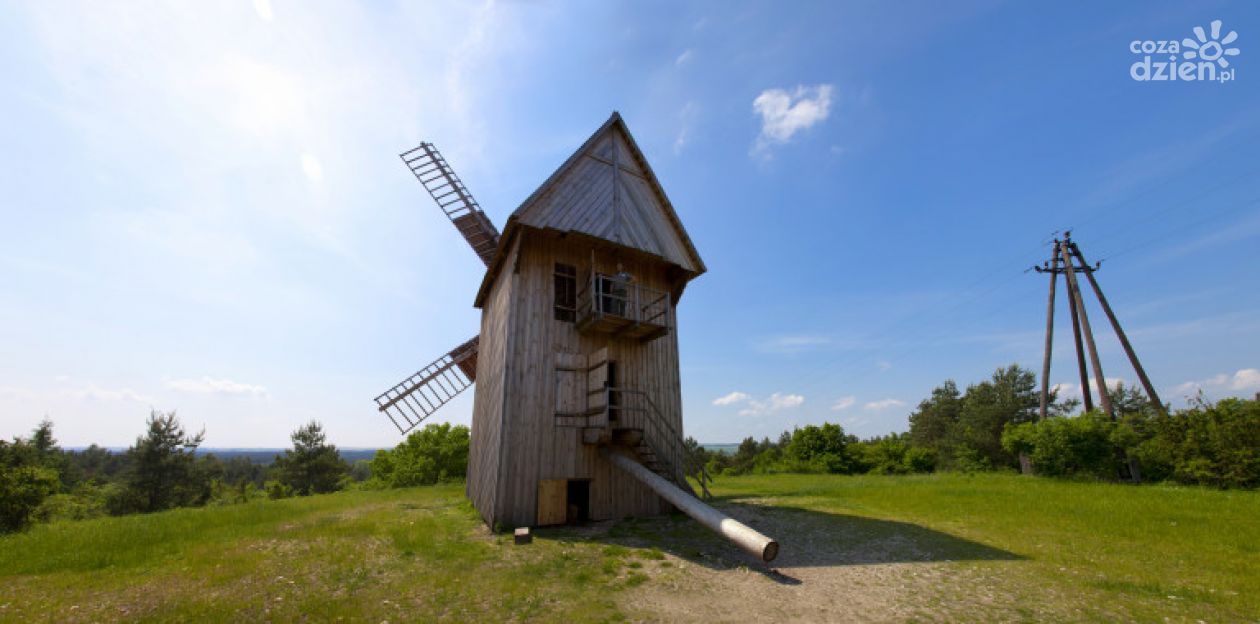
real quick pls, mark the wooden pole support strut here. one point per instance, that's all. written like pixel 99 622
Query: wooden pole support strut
pixel 1124 339
pixel 1075 289
pixel 745 537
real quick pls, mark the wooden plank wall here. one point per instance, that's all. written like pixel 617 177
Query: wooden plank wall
pixel 534 448
pixel 488 399
pixel 582 200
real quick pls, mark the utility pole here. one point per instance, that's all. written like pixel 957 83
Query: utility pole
pixel 1045 361
pixel 1067 258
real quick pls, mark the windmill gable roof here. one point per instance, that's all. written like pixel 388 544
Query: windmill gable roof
pixel 607 190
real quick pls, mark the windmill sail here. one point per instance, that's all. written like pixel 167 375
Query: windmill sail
pixel 418 396
pixel 453 198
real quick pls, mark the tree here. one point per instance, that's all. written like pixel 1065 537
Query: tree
pixel 163 470
pixel 42 439
pixel 437 453
pixel 25 478
pixel 934 424
pixel 312 466
pixel 694 456
pixel 1009 397
pixel 1128 400
pixel 822 446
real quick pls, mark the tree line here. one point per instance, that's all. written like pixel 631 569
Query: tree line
pixel 993 425
pixel 41 482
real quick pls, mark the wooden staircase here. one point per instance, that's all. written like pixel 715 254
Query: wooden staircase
pixel 632 422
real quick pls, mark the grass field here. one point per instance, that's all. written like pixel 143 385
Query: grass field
pixel 941 547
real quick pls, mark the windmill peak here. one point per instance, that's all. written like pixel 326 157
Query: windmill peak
pixel 606 191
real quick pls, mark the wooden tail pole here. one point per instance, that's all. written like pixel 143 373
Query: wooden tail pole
pixel 1124 340
pixel 745 537
pixel 1075 289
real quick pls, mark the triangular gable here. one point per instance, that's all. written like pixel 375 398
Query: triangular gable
pixel 606 189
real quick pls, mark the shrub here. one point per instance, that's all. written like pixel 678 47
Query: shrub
pixel 1066 446
pixel 437 453
pixel 22 490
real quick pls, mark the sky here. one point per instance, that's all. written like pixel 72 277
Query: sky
pixel 203 209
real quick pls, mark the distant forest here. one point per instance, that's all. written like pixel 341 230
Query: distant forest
pixel 167 468
pixel 993 425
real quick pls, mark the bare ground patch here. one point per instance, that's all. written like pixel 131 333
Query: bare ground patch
pixel 831 567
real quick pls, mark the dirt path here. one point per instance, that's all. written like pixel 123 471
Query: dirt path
pixel 832 568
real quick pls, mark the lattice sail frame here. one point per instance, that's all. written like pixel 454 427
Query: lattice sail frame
pixel 437 177
pixel 417 397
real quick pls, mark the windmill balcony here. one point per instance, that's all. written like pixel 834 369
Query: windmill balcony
pixel 615 305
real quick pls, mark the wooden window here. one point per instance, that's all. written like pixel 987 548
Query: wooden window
pixel 570 384
pixel 566 293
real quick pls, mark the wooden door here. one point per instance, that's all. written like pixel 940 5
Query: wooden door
pixel 553 501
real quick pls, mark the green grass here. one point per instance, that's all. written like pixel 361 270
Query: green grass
pixel 1107 551
pixel 1003 548
pixel 418 554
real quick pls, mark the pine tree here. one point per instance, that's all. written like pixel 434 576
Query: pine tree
pixel 312 466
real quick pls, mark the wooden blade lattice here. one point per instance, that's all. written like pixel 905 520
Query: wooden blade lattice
pixel 453 198
pixel 418 396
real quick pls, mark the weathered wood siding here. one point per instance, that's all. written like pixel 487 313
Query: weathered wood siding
pixel 534 448
pixel 484 454
pixel 607 193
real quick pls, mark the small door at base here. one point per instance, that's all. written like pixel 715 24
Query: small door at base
pixel 553 503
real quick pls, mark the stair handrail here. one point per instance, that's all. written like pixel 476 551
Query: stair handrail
pixel 657 428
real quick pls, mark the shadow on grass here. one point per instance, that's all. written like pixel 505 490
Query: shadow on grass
pixel 807 538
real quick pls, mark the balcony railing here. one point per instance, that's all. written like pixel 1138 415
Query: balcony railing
pixel 615 305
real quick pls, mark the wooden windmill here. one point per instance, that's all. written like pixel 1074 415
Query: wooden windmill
pixel 577 412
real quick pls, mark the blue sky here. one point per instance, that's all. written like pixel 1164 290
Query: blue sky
pixel 204 210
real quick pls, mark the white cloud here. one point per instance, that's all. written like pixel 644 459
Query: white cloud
pixel 784 114
pixel 731 399
pixel 1066 390
pixel 883 365
pixel 687 120
pixel 210 385
pixel 263 9
pixel 1245 379
pixel 683 58
pixel 883 404
pixel 312 168
pixel 82 392
pixel 94 392
pixel 777 402
pixel 843 403
pixel 1242 380
pixel 792 343
pixel 12 392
